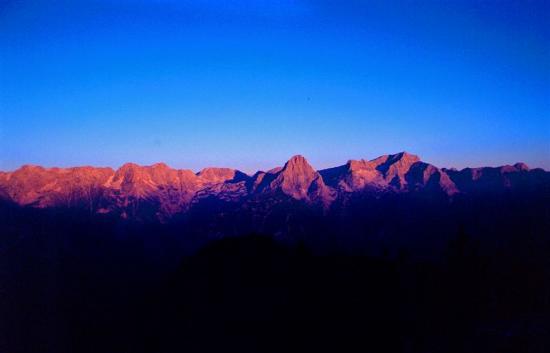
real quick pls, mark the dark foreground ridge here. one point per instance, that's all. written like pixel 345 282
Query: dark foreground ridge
pixel 252 294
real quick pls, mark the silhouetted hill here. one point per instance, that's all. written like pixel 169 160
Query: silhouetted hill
pixel 85 290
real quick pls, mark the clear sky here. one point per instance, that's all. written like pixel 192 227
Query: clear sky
pixel 247 84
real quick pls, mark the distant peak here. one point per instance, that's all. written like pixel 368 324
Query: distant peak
pixel 297 159
pixel 296 178
pixel 404 156
pixel 160 165
pixel 31 167
pixel 298 165
pixel 521 166
pixel 129 165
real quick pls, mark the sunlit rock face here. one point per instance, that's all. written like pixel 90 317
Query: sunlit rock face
pixel 220 175
pixel 299 180
pixel 48 187
pixel 399 172
pixel 158 192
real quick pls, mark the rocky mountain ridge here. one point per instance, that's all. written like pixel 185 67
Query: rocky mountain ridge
pixel 162 191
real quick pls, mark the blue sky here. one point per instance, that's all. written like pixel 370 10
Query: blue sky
pixel 247 84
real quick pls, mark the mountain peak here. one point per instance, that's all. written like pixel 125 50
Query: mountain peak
pixel 31 167
pixel 298 165
pixel 297 161
pixel 404 156
pixel 160 166
pixel 296 178
pixel 398 162
pixel 129 166
pixel 521 166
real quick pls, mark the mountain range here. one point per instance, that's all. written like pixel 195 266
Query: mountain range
pixel 151 258
pixel 158 192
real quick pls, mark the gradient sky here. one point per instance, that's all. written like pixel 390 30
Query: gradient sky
pixel 247 84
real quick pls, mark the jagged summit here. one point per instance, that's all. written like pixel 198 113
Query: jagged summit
pixel 382 173
pixel 298 165
pixel 404 155
pixel 400 161
pixel 297 161
pixel 296 178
